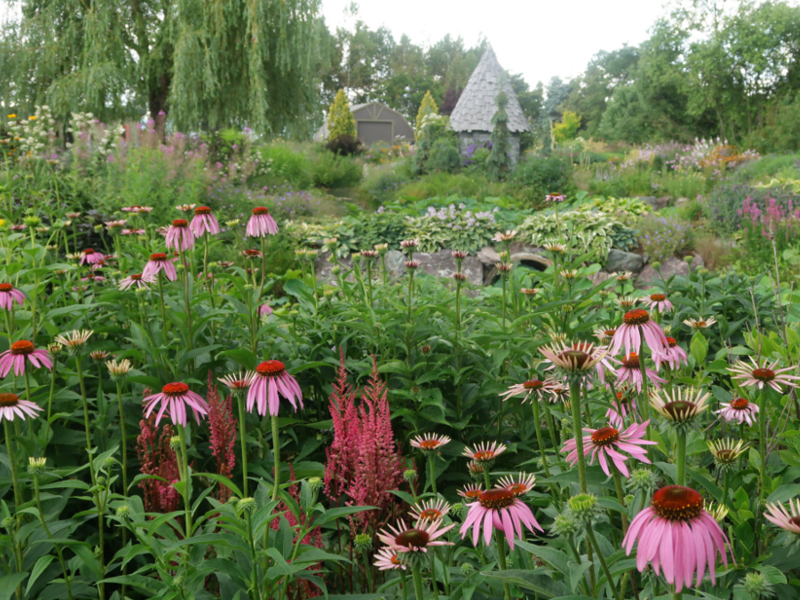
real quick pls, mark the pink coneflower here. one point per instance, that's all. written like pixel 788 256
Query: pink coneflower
pixel 484 452
pixel 535 387
pixel 657 302
pixel 700 323
pixel 604 335
pixel 114 226
pixel 203 221
pixel 264 310
pixel 132 232
pixel 137 209
pixel 412 264
pixel 671 354
pixel 11 407
pixel 386 559
pixel 681 405
pixel 630 372
pixel 606 442
pixel 18 354
pixel 624 405
pixel 555 197
pixel 430 510
pixel 136 280
pixel 74 215
pixel 574 358
pixel 675 534
pixel 261 223
pixel 271 379
pixel 786 520
pixel 430 442
pixel 8 294
pixel 159 262
pixel 179 236
pixel 518 486
pixel 251 253
pixel 185 207
pixel 238 383
pixel 498 509
pixel 628 336
pixel 739 410
pixel 403 539
pixel 176 397
pixel 18 227
pixel 90 257
pixel 759 375
pixel 472 491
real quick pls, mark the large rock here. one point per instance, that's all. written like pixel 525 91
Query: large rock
pixel 535 261
pixel 394 263
pixel 619 261
pixel 669 268
pixel 488 256
pixel 323 265
pixel 442 264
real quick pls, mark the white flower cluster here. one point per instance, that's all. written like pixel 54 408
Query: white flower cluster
pixel 33 136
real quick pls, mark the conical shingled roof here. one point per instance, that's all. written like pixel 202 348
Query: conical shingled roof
pixel 477 104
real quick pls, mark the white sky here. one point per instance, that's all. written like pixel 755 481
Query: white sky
pixel 538 38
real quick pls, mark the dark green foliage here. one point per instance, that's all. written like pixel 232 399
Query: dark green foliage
pixel 329 170
pixel 535 177
pixel 444 156
pixel 386 227
pixel 345 145
pixel 434 128
pixel 499 163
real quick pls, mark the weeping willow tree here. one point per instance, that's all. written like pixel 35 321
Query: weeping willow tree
pixel 207 64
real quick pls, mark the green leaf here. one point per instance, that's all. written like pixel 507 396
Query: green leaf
pixel 699 348
pixel 536 582
pixel 772 574
pixel 9 583
pixel 38 569
pixel 139 581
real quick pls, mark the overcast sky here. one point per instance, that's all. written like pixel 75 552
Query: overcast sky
pixel 538 38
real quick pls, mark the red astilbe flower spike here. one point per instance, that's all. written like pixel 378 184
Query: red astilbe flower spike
pixel 157 458
pixel 364 461
pixel 222 425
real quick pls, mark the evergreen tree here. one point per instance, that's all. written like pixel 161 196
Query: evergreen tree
pixel 428 107
pixel 500 157
pixel 341 121
pixel 207 64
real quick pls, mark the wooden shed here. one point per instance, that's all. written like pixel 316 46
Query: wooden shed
pixel 375 123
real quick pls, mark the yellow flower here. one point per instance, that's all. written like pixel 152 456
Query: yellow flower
pixel 12 116
pixel 32 118
pixel 2 223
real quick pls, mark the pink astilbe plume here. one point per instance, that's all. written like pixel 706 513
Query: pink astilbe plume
pixel 364 461
pixel 157 458
pixel 222 425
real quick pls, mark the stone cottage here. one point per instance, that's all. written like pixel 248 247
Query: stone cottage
pixel 472 116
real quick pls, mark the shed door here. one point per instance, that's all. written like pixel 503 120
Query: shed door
pixel 371 132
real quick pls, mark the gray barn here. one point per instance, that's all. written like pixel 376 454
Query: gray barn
pixel 375 123
pixel 472 116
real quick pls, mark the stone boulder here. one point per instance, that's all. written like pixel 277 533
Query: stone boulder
pixel 619 261
pixel 670 267
pixel 442 264
pixel 488 256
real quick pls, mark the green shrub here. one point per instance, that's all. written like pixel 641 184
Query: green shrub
pixel 535 177
pixel 444 156
pixel 381 187
pixel 332 171
pixel 662 237
pixel 442 185
pixel 386 227
pixel 286 165
pixel 632 182
pixel 688 185
pixel 587 231
pixel 768 167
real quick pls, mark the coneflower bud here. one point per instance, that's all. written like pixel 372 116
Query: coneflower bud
pixel 642 480
pixel 467 569
pixel 98 228
pixel 7 523
pixel 315 483
pixel 32 221
pixel 122 511
pixel 457 508
pixel 36 466
pixel 565 524
pixel 246 505
pixel 409 475
pixel 585 508
pixel 175 442
pixel 425 349
pixel 757 585
pixel 460 277
pixel 504 267
pixel 232 223
pixel 628 500
pixel 363 543
pixel 54 349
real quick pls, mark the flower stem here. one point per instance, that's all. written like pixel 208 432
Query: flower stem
pixel 403 584
pixel 243 440
pixel 124 446
pixel 161 302
pixel 681 457
pixel 537 424
pixel 575 400
pixel 30 398
pixel 276 453
pixel 501 560
pixel 85 416
pixel 17 502
pixel 50 402
pixel 603 563
pixel 187 505
pixel 762 433
pixel 417 583
pixel 50 537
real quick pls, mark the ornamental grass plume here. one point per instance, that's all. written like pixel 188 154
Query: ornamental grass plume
pixel 364 462
pixel 156 457
pixel 677 536
pixel 222 427
pixel 21 353
pixel 8 295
